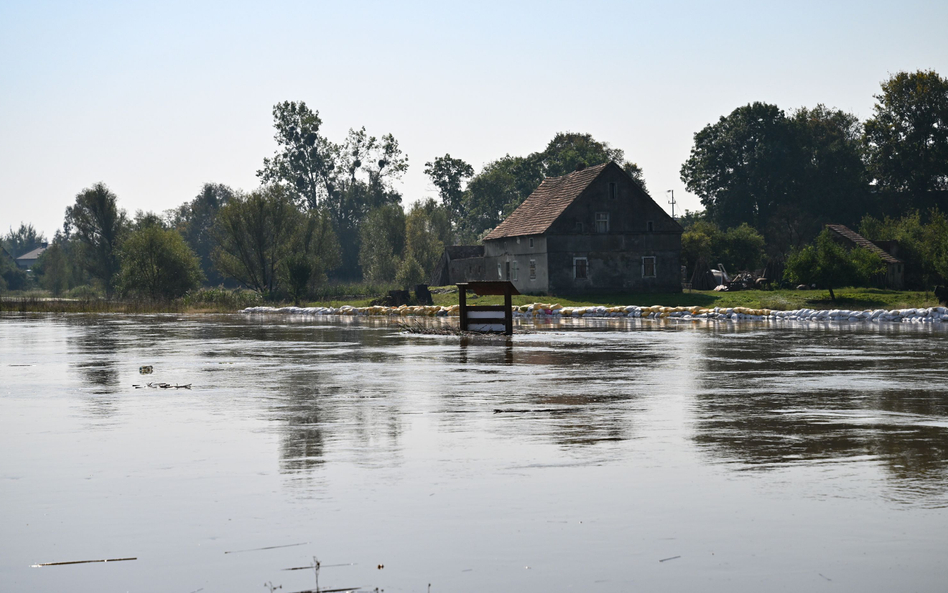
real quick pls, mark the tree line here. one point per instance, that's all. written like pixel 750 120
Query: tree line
pixel 770 181
pixel 329 211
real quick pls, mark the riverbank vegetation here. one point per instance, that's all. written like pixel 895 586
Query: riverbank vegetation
pixel 327 225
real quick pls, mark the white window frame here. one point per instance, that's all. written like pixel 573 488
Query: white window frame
pixel 533 269
pixel 576 275
pixel 602 222
pixel 649 259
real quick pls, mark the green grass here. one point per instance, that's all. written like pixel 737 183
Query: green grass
pixel 846 298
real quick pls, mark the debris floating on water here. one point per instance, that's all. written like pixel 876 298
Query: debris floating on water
pixel 672 558
pixel 80 562
pixel 267 548
pixel 146 369
pixel 163 386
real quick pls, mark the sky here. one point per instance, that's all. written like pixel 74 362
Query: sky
pixel 156 99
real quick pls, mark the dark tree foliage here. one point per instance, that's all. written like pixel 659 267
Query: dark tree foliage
pixel 504 184
pixel 195 220
pixel 265 242
pixel 742 166
pixel 23 240
pixel 827 264
pixel 98 226
pixel 784 176
pixel 907 137
pixel 157 264
pixel 449 175
pixel 383 241
pixel 347 180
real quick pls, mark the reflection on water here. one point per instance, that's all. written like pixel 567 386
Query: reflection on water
pixel 587 450
pixel 769 399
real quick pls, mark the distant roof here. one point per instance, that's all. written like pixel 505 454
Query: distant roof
pixel 547 202
pixel 464 251
pixel 859 240
pixel 32 255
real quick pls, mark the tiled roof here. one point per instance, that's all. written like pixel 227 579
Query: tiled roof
pixel 32 254
pixel 545 204
pixel 859 240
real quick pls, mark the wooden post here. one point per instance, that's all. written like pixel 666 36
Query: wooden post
pixel 508 312
pixel 462 303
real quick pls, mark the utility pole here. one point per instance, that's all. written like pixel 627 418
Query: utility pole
pixel 672 201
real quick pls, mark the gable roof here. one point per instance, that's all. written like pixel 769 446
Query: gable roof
pixel 32 255
pixel 860 241
pixel 547 202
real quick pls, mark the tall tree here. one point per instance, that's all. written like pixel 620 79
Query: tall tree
pixel 195 221
pixel 427 231
pixel 742 167
pixel 315 250
pixel 449 175
pixel 255 232
pixel 99 226
pixel 347 179
pixel 568 150
pixel 907 137
pixel 383 241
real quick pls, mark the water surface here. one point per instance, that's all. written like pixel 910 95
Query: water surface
pixel 590 456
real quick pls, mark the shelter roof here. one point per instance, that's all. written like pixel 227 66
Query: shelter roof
pixel 860 241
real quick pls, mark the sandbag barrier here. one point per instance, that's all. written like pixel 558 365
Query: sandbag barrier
pixel 696 314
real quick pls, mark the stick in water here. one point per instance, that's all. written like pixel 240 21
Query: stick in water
pixel 80 562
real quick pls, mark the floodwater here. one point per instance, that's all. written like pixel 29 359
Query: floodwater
pixel 627 455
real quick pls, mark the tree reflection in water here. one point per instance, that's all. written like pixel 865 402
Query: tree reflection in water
pixel 770 399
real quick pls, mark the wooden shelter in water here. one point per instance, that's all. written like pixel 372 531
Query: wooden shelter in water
pixel 487 318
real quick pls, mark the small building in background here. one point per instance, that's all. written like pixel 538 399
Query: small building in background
pixel 459 263
pixel 27 260
pixel 894 267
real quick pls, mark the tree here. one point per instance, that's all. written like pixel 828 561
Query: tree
pixel 448 175
pixel 314 251
pixel 923 244
pixel 99 226
pixel 23 240
pixel 427 231
pixel 157 264
pixel 907 137
pixel 742 167
pixel 255 232
pixel 568 150
pixel 504 184
pixel 348 180
pixel 828 264
pixel 195 221
pixel 383 241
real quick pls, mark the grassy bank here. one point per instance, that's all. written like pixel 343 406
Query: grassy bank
pixel 224 301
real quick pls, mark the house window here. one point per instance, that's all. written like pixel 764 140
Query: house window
pixel 531 242
pixel 648 267
pixel 579 227
pixel 500 271
pixel 514 268
pixel 613 191
pixel 579 268
pixel 602 222
pixel 650 226
pixel 533 269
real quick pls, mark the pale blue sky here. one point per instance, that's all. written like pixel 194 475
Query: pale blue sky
pixel 156 99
